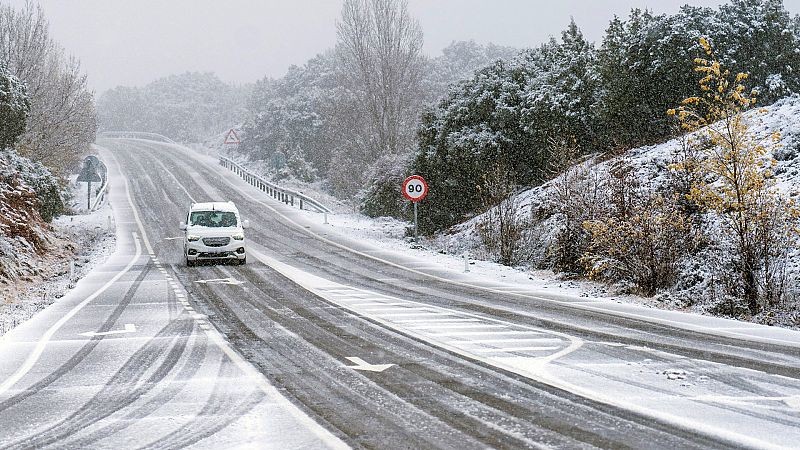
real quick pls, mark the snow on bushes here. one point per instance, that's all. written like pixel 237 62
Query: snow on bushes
pixel 23 231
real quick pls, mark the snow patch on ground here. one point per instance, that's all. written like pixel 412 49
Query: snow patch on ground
pixel 87 239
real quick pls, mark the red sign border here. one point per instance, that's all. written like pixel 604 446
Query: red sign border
pixel 236 140
pixel 424 184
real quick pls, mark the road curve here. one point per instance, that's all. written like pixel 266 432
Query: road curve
pixel 323 341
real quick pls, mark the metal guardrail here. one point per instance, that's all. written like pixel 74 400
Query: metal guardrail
pixel 287 196
pixel 135 135
pixel 101 195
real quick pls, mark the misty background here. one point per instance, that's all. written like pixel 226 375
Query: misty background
pixel 129 43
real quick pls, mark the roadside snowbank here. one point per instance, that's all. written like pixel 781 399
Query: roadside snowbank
pixel 86 239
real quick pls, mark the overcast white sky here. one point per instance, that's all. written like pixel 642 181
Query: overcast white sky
pixel 127 42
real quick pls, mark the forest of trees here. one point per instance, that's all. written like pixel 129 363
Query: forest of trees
pixel 569 94
pixel 191 107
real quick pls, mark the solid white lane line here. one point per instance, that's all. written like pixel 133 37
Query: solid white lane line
pixel 42 343
pixel 436 321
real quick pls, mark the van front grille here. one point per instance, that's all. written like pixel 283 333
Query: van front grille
pixel 216 241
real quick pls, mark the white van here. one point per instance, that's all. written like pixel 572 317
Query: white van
pixel 214 231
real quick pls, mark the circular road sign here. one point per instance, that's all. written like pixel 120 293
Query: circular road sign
pixel 415 188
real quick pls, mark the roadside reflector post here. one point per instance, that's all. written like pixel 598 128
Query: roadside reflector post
pixel 466 263
pixel 325 215
pixel 71 270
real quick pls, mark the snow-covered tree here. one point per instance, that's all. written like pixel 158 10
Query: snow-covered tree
pixel 380 49
pixel 62 121
pixel 759 38
pixel 14 107
pixel 507 114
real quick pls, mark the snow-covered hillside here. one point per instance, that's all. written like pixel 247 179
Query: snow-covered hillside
pixel 649 167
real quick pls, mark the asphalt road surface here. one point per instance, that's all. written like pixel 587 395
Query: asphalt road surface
pixel 321 341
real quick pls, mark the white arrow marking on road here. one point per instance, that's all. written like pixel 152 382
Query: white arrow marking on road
pixel 363 365
pixel 129 328
pixel 173 238
pixel 230 281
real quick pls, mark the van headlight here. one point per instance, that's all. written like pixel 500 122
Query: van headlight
pixel 192 238
pixel 238 237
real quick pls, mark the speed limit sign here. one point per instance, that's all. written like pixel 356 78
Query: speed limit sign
pixel 415 188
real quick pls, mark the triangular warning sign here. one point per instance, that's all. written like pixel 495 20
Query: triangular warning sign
pixel 232 137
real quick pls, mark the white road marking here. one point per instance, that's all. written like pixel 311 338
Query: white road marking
pixel 363 365
pixel 504 341
pixel 437 321
pixel 411 314
pixel 488 333
pixel 362 305
pixel 402 309
pixel 229 281
pixel 129 328
pixel 514 349
pixel 40 346
pixel 457 326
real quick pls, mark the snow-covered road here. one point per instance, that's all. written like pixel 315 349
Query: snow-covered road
pixel 367 347
pixel 122 361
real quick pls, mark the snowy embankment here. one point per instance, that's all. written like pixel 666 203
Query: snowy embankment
pixel 72 246
pixel 650 170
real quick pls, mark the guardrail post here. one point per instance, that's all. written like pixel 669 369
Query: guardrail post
pixel 301 204
pixel 292 199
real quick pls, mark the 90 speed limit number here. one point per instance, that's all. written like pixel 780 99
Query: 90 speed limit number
pixel 415 188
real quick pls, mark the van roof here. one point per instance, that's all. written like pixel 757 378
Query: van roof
pixel 214 206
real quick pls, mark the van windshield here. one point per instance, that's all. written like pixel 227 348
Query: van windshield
pixel 214 219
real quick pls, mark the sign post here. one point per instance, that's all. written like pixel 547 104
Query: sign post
pixel 415 189
pixel 88 175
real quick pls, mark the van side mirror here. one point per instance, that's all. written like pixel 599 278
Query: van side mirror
pixel 183 226
pixel 245 224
